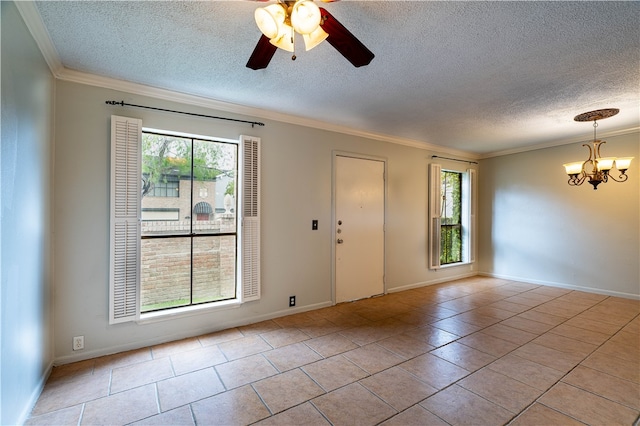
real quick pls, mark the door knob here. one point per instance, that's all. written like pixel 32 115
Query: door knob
pixel 340 241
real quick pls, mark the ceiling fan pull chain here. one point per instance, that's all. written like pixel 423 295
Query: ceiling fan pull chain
pixel 293 42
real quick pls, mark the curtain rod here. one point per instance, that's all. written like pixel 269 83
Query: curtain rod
pixel 455 159
pixel 122 103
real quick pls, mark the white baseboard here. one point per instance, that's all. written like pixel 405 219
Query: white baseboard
pixel 187 334
pixel 563 285
pixel 431 282
pixel 35 394
pixel 257 318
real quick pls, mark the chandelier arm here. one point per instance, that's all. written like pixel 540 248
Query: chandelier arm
pixel 622 178
pixel 593 168
pixel 574 180
pixel 591 154
pixel 597 148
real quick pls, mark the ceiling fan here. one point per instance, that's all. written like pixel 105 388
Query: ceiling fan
pixel 279 22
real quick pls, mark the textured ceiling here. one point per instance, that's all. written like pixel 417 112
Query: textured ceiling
pixel 481 77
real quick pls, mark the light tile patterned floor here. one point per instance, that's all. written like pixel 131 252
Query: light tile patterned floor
pixel 478 351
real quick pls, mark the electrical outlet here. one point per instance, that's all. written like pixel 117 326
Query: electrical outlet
pixel 292 301
pixel 78 343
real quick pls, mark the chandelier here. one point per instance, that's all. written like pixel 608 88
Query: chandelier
pixel 597 169
pixel 278 21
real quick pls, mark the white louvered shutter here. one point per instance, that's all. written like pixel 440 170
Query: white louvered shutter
pixel 473 206
pixel 435 200
pixel 124 288
pixel 250 218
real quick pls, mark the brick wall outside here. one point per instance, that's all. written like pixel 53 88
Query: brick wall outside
pixel 165 272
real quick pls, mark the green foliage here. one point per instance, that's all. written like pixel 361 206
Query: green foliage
pixel 164 156
pixel 450 244
pixel 231 188
pixel 451 218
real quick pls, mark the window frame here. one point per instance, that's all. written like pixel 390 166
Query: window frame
pixel 458 218
pixel 193 218
pixel 125 228
pixel 468 216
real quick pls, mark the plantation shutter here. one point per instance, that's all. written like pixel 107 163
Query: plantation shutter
pixel 473 205
pixel 124 289
pixel 250 269
pixel 435 200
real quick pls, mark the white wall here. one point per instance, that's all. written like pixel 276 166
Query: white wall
pixel 25 225
pixel 296 188
pixel 535 227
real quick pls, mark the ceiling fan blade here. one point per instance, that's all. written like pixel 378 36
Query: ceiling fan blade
pixel 345 42
pixel 262 54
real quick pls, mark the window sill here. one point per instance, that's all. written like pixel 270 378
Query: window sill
pixel 187 311
pixel 453 265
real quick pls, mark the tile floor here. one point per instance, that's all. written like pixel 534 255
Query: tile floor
pixel 477 351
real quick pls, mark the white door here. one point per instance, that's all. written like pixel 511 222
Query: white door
pixel 359 238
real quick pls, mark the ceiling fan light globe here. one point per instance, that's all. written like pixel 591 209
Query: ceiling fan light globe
pixel 284 39
pixel 315 38
pixel 305 16
pixel 270 19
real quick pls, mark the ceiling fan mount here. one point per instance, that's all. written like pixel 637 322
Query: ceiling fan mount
pixel 279 22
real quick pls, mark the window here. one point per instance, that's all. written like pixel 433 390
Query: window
pixel 193 260
pixel 161 260
pixel 451 216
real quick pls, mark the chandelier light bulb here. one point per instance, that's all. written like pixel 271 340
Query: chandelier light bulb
pixel 573 168
pixel 623 163
pixel 605 163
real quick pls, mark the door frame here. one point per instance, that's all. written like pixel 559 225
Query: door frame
pixel 334 155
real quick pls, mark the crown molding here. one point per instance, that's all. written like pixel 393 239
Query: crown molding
pixel 195 100
pixel 36 27
pixel 34 23
pixel 561 142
